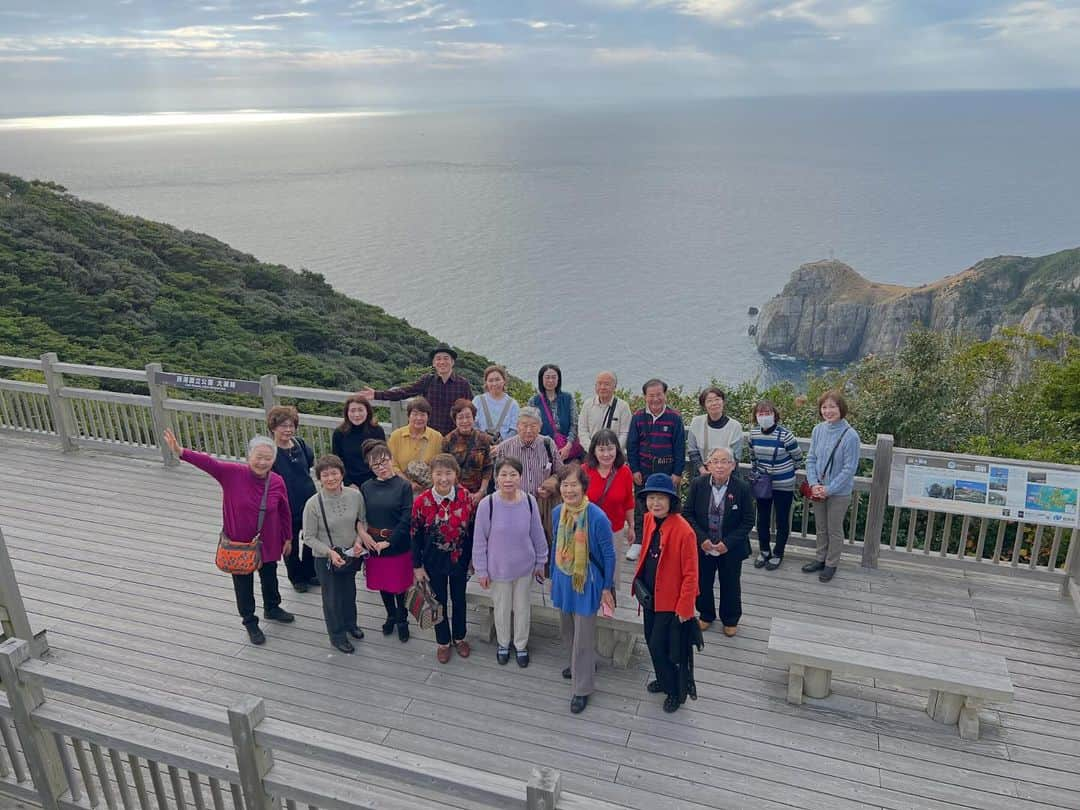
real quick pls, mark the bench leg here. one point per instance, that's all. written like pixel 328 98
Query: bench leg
pixel 795 684
pixel 817 683
pixel 606 641
pixel 485 628
pixel 623 649
pixel 944 707
pixel 969 720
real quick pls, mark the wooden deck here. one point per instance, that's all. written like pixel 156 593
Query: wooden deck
pixel 114 558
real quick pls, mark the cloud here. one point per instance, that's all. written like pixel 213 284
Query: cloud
pixel 545 25
pixel 651 55
pixel 1033 18
pixel 282 15
pixel 196 40
pixel 824 14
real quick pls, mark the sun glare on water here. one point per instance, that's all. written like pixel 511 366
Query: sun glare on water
pixel 172 119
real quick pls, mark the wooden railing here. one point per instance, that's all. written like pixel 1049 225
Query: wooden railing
pixel 132 423
pixel 64 755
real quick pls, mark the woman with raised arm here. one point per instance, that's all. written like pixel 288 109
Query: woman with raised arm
pixel 335 529
pixel 388 500
pixel 243 488
pixel 582 578
pixel 358 424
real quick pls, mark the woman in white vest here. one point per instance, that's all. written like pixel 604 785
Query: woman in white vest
pixel 712 429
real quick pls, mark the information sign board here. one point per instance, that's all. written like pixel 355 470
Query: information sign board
pixel 985 487
pixel 197 382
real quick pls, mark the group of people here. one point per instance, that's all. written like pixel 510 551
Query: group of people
pixel 480 487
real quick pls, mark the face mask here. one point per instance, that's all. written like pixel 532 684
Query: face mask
pixel 766 421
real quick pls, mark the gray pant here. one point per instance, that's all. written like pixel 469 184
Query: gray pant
pixel 829 522
pixel 582 632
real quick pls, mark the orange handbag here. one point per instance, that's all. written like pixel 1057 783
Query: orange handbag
pixel 239 557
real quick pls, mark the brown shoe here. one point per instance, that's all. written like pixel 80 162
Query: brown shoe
pixel 442 654
pixel 730 631
pixel 462 648
pixel 704 625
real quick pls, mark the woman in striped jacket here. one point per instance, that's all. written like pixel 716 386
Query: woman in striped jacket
pixel 774 452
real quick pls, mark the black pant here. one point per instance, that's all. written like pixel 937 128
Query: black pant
pixel 300 562
pixel 639 499
pixel 450 583
pixel 338 596
pixel 727 568
pixel 244 586
pixel 658 630
pixel 781 502
pixel 395 606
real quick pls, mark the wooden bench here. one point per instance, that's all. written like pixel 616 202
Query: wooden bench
pixel 960 680
pixel 615 636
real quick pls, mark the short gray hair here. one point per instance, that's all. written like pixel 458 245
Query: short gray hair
pixel 715 450
pixel 261 441
pixel 614 376
pixel 529 412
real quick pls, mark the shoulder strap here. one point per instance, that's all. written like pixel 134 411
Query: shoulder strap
pixel 547 446
pixel 547 412
pixel 491 505
pixel 705 452
pixel 610 415
pixel 607 487
pixel 262 506
pixel 832 455
pixel 487 412
pixel 502 416
pixel 309 454
pixel 325 522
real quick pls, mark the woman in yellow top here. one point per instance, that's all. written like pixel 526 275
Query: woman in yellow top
pixel 413 446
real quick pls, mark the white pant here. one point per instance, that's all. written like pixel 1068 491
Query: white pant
pixel 512 596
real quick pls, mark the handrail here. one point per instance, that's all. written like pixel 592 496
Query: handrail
pixel 44 726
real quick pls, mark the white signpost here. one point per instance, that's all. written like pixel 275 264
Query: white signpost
pixel 985 487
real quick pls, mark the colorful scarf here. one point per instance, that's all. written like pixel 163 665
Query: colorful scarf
pixel 572 543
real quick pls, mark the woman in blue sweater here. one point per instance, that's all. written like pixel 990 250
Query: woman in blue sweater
pixel 831 462
pixel 774 452
pixel 582 577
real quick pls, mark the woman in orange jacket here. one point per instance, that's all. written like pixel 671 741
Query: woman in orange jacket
pixel 665 582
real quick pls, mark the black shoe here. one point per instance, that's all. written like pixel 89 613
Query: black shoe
pixel 403 631
pixel 827 573
pixel 279 615
pixel 255 634
pixel 811 567
pixel 389 625
pixel 343 645
pixel 654 688
pixel 523 658
pixel 502 655
pixel 356 633
pixel 670 704
pixel 578 703
pixel 566 673
pixel 314 582
pixel 773 563
pixel 761 559
pixel 300 587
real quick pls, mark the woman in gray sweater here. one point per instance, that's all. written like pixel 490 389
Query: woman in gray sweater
pixel 336 531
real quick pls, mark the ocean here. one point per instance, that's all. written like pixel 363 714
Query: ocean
pixel 621 237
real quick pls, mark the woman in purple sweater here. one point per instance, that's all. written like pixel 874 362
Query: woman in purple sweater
pixel 509 549
pixel 242 488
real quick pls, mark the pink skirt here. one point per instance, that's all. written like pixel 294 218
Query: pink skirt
pixel 390 574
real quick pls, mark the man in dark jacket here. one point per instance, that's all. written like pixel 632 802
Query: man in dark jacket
pixel 720 508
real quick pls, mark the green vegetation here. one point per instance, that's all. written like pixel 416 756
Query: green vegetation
pixel 99 287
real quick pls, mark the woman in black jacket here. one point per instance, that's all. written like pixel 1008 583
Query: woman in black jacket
pixel 720 509
pixel 358 424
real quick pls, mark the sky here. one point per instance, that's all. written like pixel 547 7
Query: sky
pixel 123 56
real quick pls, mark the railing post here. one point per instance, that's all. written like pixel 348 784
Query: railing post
pixel 1071 586
pixel 158 395
pixel 397 414
pixel 879 497
pixel 16 624
pixel 542 790
pixel 268 382
pixel 38 746
pixel 63 418
pixel 252 761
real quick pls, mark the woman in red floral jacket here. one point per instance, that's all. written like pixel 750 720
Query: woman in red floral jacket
pixel 442 549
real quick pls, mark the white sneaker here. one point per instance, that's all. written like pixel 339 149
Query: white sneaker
pixel 633 552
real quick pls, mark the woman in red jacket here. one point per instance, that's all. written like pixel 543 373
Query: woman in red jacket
pixel 666 583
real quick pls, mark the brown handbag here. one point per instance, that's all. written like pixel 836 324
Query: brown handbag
pixel 240 557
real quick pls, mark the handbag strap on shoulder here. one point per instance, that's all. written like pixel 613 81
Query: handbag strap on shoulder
pixel 262 507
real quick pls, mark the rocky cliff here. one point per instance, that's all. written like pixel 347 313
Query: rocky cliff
pixel 827 312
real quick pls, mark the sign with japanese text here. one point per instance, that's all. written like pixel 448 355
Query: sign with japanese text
pixel 218 385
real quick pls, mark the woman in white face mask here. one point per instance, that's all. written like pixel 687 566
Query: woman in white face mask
pixel 774 454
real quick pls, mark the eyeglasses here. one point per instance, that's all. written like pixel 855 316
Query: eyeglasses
pixel 380 462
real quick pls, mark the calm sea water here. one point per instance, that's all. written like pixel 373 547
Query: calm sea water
pixel 614 237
